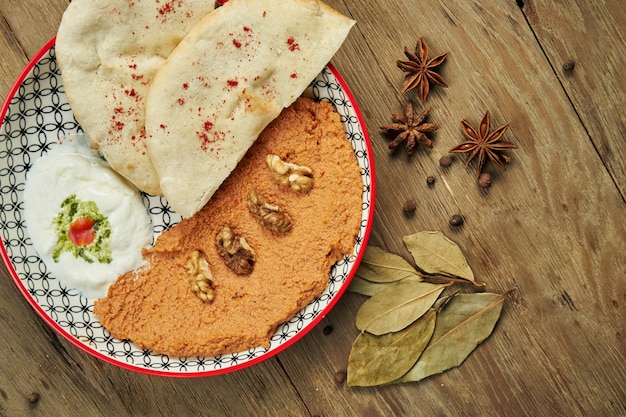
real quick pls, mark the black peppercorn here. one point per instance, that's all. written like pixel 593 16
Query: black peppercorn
pixel 33 397
pixel 484 180
pixel 409 206
pixel 456 220
pixel 340 376
pixel 445 161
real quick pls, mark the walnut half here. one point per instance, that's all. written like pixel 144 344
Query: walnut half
pixel 298 177
pixel 199 276
pixel 235 251
pixel 270 216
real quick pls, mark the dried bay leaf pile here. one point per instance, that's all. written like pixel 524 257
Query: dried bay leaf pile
pixel 409 330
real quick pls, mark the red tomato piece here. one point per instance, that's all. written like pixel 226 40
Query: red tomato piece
pixel 81 231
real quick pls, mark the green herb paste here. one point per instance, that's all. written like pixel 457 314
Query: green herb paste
pixel 71 209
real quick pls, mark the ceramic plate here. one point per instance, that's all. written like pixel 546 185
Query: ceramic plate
pixel 35 116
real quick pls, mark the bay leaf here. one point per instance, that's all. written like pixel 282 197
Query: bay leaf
pixel 434 253
pixel 364 287
pixel 394 308
pixel 379 265
pixel 466 321
pixel 377 360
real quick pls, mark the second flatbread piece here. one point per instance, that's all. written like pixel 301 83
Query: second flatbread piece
pixel 228 79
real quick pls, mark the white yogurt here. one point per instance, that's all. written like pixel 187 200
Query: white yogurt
pixel 74 169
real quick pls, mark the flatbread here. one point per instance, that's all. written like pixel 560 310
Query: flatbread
pixel 228 79
pixel 108 53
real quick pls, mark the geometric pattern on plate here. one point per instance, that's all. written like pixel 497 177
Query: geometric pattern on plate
pixel 37 117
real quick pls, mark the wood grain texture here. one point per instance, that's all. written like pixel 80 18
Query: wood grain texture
pixel 13 56
pixel 32 23
pixel 593 37
pixel 553 225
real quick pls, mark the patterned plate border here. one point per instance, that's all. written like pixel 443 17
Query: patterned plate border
pixel 35 116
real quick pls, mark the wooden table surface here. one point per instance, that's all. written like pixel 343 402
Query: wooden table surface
pixel 553 224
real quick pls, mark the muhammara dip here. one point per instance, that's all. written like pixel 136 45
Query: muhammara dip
pixel 156 308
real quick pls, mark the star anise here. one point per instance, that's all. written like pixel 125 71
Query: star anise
pixel 410 129
pixel 420 69
pixel 484 144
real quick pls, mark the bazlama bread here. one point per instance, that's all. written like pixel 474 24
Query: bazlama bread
pixel 236 70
